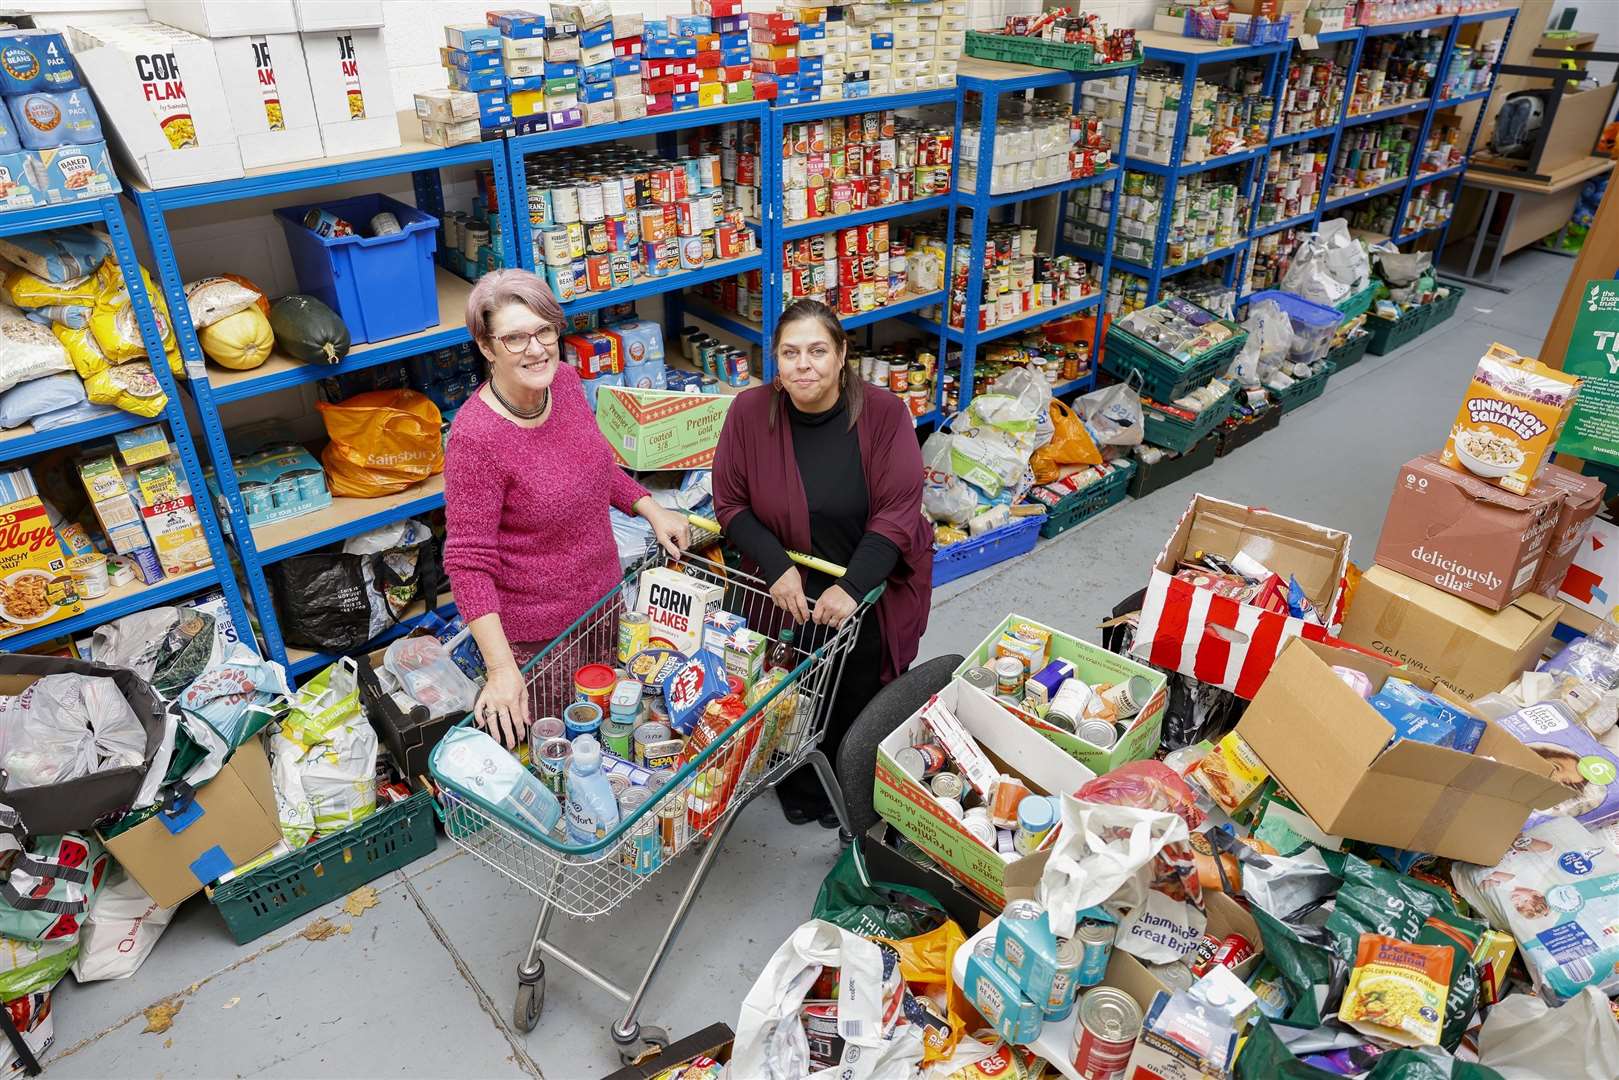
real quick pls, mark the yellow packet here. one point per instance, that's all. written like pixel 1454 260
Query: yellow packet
pixel 1231 773
pixel 131 387
pixel 1397 990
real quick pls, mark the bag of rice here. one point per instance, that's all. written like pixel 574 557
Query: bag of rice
pixel 131 387
pixel 1397 991
pixel 27 349
pixel 60 256
pixel 210 299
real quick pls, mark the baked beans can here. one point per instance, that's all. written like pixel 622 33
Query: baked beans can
pixel 1232 951
pixel 598 273
pixel 899 378
pixel 1109 1021
pixel 598 238
pixel 691 253
pixel 554 246
pixel 641 850
pixel 1060 1002
pixel 1095 939
pixel 922 760
pixel 560 278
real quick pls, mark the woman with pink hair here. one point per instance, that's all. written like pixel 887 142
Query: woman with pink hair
pixel 528 480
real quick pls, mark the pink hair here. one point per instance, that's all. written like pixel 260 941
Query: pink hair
pixel 497 289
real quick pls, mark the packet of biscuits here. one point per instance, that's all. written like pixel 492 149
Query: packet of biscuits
pixel 1509 421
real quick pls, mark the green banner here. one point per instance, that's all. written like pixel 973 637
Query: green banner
pixel 1592 432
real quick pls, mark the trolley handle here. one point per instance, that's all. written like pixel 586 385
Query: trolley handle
pixel 810 562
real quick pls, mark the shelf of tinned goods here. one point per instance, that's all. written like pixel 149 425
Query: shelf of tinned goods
pixel 24 441
pixel 645 287
pixel 414 156
pixel 826 109
pixel 118 601
pixel 1062 187
pixel 1388 112
pixel 887 212
pixel 1186 168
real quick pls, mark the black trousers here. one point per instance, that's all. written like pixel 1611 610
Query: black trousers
pixel 862 678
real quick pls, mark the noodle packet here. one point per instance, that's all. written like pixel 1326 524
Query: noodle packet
pixel 1397 991
pixel 1509 421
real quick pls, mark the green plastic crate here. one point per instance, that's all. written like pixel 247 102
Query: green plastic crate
pixel 1351 352
pixel 1164 378
pixel 1037 52
pixel 333 866
pixel 1304 390
pixel 1083 505
pixel 1357 303
pixel 1391 334
pixel 1172 433
pixel 1445 308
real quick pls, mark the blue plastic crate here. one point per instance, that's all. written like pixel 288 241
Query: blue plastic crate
pixel 381 286
pixel 1313 324
pixel 970 556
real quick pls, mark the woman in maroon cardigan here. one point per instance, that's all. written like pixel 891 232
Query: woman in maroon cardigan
pixel 820 462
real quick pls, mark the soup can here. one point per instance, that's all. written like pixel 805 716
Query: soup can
pixel 384 224
pixel 582 718
pixel 564 203
pixel 1096 939
pixel 1109 1021
pixel 327 224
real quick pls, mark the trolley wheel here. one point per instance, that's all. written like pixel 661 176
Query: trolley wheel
pixel 651 1042
pixel 530 1004
pixel 888 709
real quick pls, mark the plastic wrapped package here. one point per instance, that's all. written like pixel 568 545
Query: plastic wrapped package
pixel 427 673
pixel 68 302
pixel 120 930
pixel 59 256
pixel 131 387
pixel 945 496
pixel 1034 392
pixel 27 349
pixel 211 299
pixel 323 761
pixel 238 696
pixel 117 330
pixel 36 397
pixel 1567 946
pixel 1329 266
pixel 1113 415
pixel 65 726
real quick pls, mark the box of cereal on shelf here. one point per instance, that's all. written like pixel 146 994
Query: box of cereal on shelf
pixel 35 586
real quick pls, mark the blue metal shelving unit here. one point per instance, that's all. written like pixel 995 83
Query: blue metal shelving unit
pixel 262 547
pixel 990 80
pixel 25 442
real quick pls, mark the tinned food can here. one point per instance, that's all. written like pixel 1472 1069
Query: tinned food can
pixel 1060 1002
pixel 922 760
pixel 641 850
pixel 1109 1021
pixel 634 634
pixel 327 224
pixel 551 762
pixel 384 224
pixel 1095 939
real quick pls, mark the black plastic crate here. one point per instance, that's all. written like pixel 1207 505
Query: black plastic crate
pixel 1149 478
pixel 1238 432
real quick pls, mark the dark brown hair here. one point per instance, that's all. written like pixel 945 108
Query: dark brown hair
pixel 850 386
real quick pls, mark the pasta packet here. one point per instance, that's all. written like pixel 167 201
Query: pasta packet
pixel 1397 991
pixel 1509 421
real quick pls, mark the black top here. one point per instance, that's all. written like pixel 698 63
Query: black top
pixel 827 450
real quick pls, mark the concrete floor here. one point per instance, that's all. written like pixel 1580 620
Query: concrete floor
pixel 423 983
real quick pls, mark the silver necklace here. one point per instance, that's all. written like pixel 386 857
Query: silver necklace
pixel 545 403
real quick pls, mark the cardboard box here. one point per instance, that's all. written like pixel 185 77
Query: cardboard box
pixel 1329 749
pixel 1016 750
pixel 661 430
pixel 232 819
pixel 353 87
pixel 68 173
pixel 168 130
pixel 1465 535
pixel 271 104
pixel 1582 498
pixel 1094 665
pixel 38 588
pixel 713 1042
pixel 1464 648
pixel 226 18
pixel 1218 640
pixel 316 15
pixel 17 191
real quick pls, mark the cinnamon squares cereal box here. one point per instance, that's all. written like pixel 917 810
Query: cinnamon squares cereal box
pixel 1510 419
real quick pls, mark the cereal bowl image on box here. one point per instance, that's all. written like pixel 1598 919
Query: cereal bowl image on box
pixel 1487 455
pixel 25 599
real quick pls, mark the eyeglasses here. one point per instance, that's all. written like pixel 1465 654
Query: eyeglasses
pixel 516 343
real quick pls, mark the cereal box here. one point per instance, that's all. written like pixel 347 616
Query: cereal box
pixel 1510 419
pixel 35 587
pixel 677 606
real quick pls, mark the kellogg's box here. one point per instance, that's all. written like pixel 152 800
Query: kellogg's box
pixel 35 586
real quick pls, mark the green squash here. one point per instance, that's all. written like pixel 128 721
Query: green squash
pixel 306 329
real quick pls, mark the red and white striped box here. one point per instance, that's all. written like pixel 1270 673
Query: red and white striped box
pixel 1225 642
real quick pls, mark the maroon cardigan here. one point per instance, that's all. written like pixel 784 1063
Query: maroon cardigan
pixel 754 466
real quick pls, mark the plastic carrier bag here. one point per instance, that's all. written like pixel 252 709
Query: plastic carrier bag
pixel 1070 444
pixel 323 761
pixel 382 442
pixel 851 900
pixel 65 726
pixel 50 886
pixel 120 930
pixel 1113 414
pixel 400 564
pixel 1265 1057
pixel 60 256
pixel 945 496
pixel 925 963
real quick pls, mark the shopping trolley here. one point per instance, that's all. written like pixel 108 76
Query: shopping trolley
pixel 693 808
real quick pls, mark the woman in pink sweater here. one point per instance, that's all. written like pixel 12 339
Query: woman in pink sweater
pixel 528 480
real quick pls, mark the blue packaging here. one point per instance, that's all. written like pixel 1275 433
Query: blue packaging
pixel 882 41
pixel 524 83
pixel 810 65
pixel 857 89
pixel 50 118
pixel 477 82
pixel 736 57
pixel 565 69
pixel 656 31
pixel 690 25
pixel 812 32
pixel 731 24
pixel 9 143
pixel 518 23
pixel 625 65
pixel 470 61
pixel 790 84
pixel 596 35
pixel 1414 722
pixel 597 73
pixel 733 41
pixel 35 61
pixel 597 91
pixel 1469 728
pixel 699 680
pixel 592 808
pixel 473 37
pixel 17 190
pixel 492 106
pixel 684 101
pixel 646 375
pixel 640 341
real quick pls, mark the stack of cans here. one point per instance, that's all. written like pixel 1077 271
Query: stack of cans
pixel 861 268
pixel 849 163
pixel 1018 279
pixel 1314 92
pixel 1293 180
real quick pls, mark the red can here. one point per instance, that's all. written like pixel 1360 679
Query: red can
pixel 860 189
pixel 874 160
pixel 1105 1036
pixel 848 270
pixel 599 273
pixel 1233 951
pixel 863 236
pixel 848 300
pixel 854 160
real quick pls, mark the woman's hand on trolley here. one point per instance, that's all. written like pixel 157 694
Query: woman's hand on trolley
pixel 502 708
pixel 669 526
pixel 834 606
pixel 788 593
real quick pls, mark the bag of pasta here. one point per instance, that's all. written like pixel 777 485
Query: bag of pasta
pixel 117 330
pixel 383 441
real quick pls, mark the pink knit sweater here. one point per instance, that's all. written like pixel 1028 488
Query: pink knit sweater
pixel 527 533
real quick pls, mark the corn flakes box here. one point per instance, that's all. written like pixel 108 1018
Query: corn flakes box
pixel 35 586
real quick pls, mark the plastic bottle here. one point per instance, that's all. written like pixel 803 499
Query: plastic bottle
pixel 592 810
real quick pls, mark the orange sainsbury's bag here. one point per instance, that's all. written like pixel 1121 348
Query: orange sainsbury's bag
pixel 924 964
pixel 1070 444
pixel 382 442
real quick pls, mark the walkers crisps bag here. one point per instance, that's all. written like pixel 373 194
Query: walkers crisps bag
pixel 382 442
